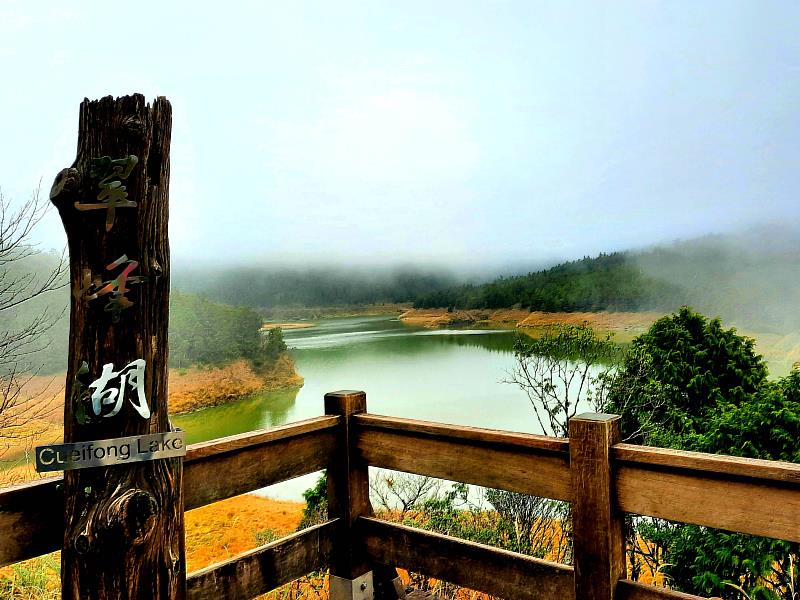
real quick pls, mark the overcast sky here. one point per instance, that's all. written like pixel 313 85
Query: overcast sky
pixel 487 132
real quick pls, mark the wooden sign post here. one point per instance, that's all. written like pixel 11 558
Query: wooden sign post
pixel 123 534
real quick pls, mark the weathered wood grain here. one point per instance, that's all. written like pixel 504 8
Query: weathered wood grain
pixel 263 569
pixel 631 590
pixel 763 507
pixel 256 460
pixel 242 441
pixel 31 519
pixel 711 464
pixel 348 486
pixel 474 566
pixel 597 525
pixel 348 499
pixel 123 525
pixel 494 437
pixel 517 462
pixel 420 595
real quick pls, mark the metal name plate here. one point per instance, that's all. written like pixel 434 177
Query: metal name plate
pixel 103 453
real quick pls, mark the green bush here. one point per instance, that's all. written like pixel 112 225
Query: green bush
pixel 205 333
pixel 688 383
pixel 316 509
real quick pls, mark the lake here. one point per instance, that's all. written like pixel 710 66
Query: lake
pixel 450 376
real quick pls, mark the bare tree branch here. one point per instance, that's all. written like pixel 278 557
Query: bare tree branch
pixel 24 411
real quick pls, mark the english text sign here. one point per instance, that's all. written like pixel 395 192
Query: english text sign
pixel 117 451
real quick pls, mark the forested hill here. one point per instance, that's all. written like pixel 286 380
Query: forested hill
pixel 751 279
pixel 607 282
pixel 267 287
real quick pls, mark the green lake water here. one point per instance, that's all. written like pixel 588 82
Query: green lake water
pixel 450 376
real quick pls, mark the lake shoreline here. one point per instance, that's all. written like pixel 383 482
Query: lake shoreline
pixel 198 388
pixel 624 325
pixel 296 314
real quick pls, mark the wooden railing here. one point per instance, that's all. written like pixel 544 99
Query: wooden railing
pixel 602 478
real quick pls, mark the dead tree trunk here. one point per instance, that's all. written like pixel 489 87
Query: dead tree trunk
pixel 123 534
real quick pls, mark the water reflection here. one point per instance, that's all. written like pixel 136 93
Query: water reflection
pixel 384 334
pixel 258 411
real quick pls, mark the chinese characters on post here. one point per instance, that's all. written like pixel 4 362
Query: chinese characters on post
pixel 104 396
pixel 117 287
pixel 109 390
pixel 112 194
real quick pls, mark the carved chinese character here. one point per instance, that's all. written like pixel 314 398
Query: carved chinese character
pixel 107 401
pixel 117 287
pixel 112 194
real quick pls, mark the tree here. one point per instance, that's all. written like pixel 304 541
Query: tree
pixel 206 333
pixel 23 334
pixel 765 426
pixel 394 490
pixel 563 372
pixel 273 347
pixel 316 508
pixel 678 374
pixel 689 383
pixel 541 526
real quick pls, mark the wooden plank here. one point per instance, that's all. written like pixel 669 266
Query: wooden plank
pixel 263 569
pixel 31 515
pixel 272 457
pixel 712 464
pixel 632 590
pixel 759 507
pixel 515 462
pixel 242 441
pixel 492 437
pixel 474 566
pixel 597 525
pixel 31 519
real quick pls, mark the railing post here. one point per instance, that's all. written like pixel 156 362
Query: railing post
pixel 348 498
pixel 598 528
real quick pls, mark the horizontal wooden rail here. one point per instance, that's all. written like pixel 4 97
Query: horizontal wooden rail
pixel 251 461
pixel 632 590
pixel 31 515
pixel 31 519
pixel 737 494
pixel 484 568
pixel 518 462
pixel 266 568
pixel 474 566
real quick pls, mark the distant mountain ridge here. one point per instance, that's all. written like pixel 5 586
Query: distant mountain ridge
pixel 751 279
